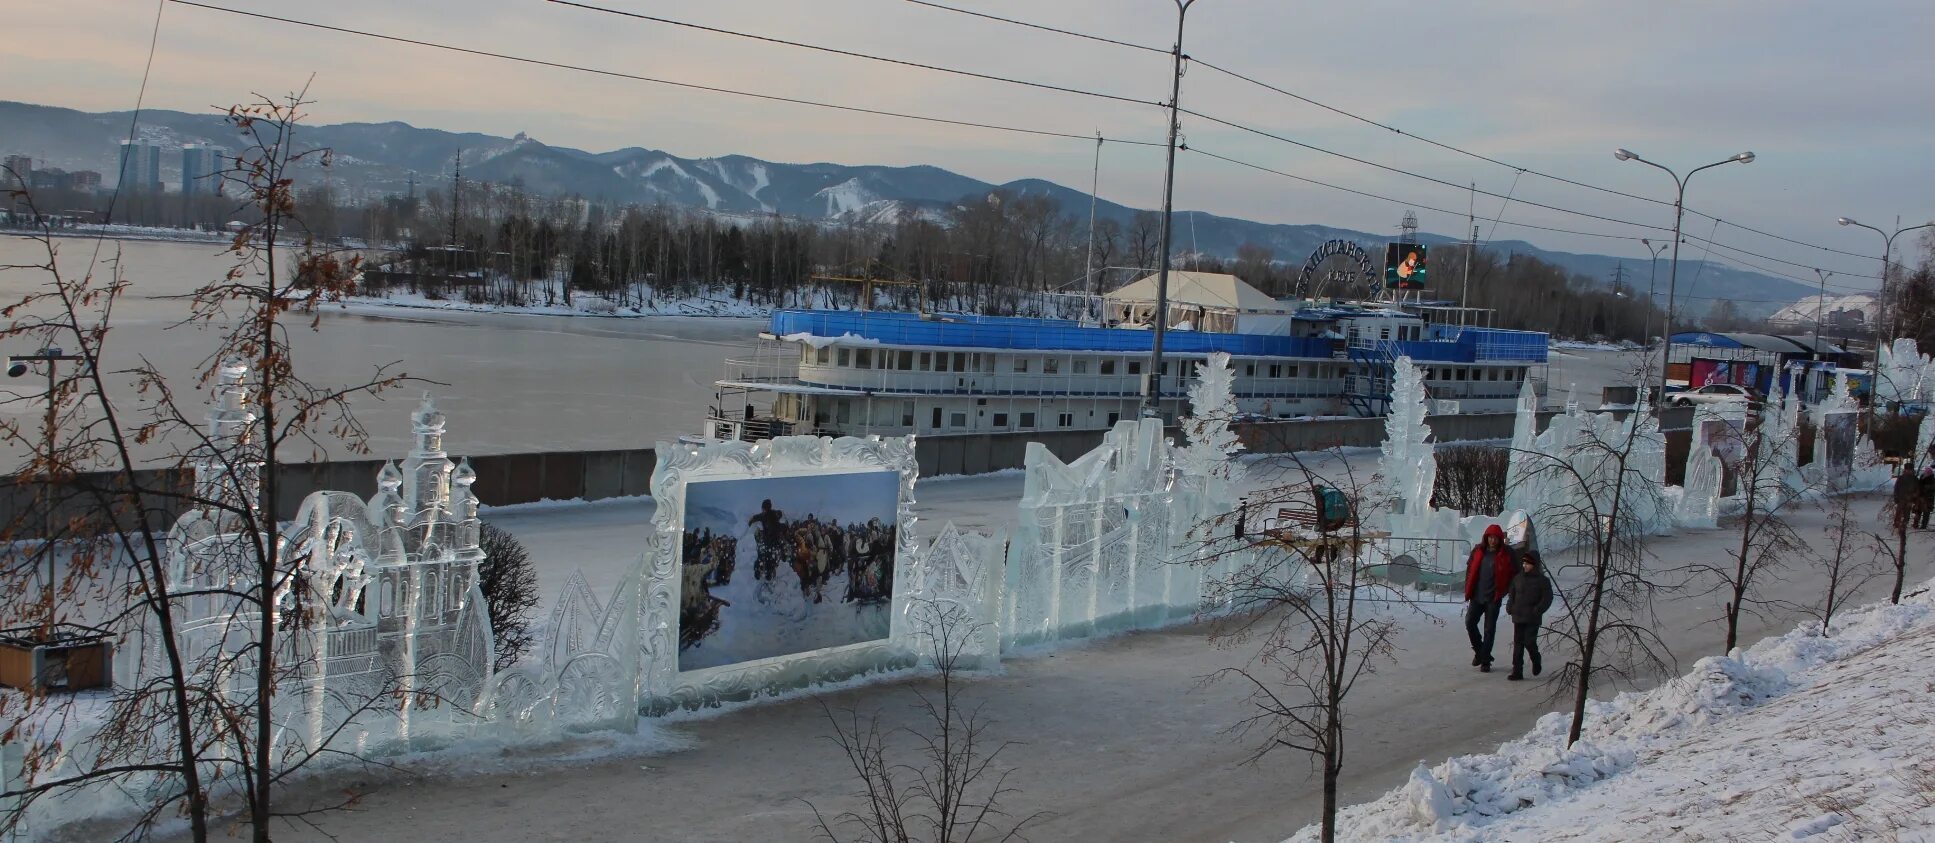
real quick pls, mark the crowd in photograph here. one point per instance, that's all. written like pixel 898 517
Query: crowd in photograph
pixel 814 550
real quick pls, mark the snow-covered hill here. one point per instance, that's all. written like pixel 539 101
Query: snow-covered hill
pixel 1798 737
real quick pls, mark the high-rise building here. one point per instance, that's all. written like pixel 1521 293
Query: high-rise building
pixel 140 167
pixel 201 170
pixel 18 172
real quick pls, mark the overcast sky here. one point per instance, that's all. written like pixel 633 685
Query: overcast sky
pixel 1836 98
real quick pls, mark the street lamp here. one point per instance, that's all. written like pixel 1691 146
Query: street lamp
pixel 18 367
pixel 1652 284
pixel 1887 257
pixel 1673 269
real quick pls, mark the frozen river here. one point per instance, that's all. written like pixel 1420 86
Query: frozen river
pixel 509 383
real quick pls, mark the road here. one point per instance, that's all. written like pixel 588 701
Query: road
pixel 1116 739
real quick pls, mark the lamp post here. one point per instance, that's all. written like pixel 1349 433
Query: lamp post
pixel 18 367
pixel 1652 284
pixel 1673 268
pixel 1887 257
pixel 1152 399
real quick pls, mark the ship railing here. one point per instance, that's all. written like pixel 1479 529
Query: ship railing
pixel 762 370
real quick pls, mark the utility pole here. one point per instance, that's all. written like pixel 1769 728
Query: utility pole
pixel 1152 397
pixel 1820 302
pixel 1088 263
pixel 1471 251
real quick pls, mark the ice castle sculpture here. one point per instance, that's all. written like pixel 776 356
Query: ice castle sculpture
pixel 1904 373
pixel 379 599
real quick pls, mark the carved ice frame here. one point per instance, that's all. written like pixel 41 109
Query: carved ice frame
pixel 663 685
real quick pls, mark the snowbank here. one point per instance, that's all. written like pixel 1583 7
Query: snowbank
pixel 1790 738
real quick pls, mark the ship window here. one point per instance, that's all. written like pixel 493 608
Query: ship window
pixel 1511 374
pixel 1113 418
pixel 1051 366
pixel 1079 367
pixel 960 361
pixel 846 357
pixel 1108 367
pixel 1276 370
pixel 1135 367
pixel 1001 421
pixel 940 361
pixel 1021 364
pixel 906 412
pixel 1249 370
pixel 1384 333
pixel 863 358
pixel 957 420
pixel 987 363
pixel 806 353
pixel 824 351
pixel 1065 420
pixel 1291 373
pixel 906 361
pixel 1027 419
pixel 937 419
pixel 1491 374
pixel 843 411
pixel 926 361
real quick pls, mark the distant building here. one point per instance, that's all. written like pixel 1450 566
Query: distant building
pixel 86 181
pixel 1838 314
pixel 18 172
pixel 201 170
pixel 140 167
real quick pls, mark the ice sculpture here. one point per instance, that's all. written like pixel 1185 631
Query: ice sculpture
pixel 1212 406
pixel 1904 372
pixel 1572 468
pixel 1519 479
pixel 959 596
pixel 1409 469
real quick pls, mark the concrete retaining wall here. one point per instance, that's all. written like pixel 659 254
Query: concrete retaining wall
pixel 592 475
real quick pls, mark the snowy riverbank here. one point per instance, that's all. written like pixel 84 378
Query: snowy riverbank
pixel 1797 736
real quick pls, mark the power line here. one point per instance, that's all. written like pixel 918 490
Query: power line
pixel 1307 180
pixel 1041 27
pixel 1416 175
pixel 638 78
pixel 852 54
pixel 1739 250
pixel 1381 125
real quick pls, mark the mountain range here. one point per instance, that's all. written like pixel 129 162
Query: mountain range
pixel 370 159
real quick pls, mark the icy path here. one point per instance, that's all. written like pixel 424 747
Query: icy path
pixel 1117 739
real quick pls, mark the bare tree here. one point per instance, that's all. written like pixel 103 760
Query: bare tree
pixel 1609 614
pixel 1767 542
pixel 1307 601
pixel 951 792
pixel 105 565
pixel 1849 563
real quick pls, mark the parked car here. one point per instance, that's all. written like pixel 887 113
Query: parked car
pixel 1718 393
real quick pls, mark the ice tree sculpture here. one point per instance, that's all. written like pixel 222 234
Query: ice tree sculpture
pixel 961 577
pixel 1904 372
pixel 1525 433
pixel 1409 469
pixel 1212 406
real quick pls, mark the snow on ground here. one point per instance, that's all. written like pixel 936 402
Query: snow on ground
pixel 711 303
pixel 1800 736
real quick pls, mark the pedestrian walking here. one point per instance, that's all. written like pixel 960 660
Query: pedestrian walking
pixel 1488 573
pixel 1902 500
pixel 1924 495
pixel 1526 600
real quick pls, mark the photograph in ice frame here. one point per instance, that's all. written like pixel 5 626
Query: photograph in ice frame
pixel 773 566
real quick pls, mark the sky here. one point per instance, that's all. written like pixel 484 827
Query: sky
pixel 1833 98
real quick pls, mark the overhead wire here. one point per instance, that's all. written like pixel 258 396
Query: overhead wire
pixel 651 79
pixel 853 54
pixel 1381 125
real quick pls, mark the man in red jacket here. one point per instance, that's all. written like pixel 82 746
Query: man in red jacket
pixel 1488 573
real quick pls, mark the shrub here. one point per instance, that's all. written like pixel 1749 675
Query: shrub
pixel 509 583
pixel 1471 478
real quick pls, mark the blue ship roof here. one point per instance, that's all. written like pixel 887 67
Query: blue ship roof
pixel 1019 333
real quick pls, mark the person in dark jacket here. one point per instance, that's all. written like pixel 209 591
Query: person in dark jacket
pixel 1526 600
pixel 1488 575
pixel 1924 495
pixel 1903 499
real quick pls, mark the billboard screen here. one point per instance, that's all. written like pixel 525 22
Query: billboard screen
pixel 1404 266
pixel 781 565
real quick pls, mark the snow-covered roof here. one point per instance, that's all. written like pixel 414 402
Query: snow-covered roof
pixel 1803 312
pixel 1202 289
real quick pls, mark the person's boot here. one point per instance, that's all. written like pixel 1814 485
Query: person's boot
pixel 1538 666
pixel 1516 675
pixel 1477 659
pixel 1485 667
